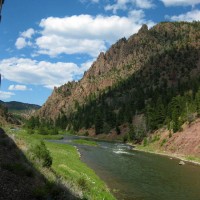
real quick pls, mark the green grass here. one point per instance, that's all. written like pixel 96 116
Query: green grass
pixel 148 148
pixel 68 166
pixel 85 142
pixel 192 158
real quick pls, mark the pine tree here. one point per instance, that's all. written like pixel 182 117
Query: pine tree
pixel 98 123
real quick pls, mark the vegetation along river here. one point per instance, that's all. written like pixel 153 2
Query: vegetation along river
pixel 133 175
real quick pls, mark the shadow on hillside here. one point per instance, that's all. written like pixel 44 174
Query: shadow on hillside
pixel 20 180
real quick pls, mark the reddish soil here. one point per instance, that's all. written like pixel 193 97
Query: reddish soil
pixel 186 142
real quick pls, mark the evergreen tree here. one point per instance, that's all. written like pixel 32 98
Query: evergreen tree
pixel 98 123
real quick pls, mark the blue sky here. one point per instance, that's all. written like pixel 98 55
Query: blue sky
pixel 46 43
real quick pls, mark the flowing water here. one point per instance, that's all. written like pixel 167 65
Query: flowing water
pixel 133 175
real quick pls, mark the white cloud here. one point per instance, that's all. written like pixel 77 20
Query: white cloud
pixel 180 2
pixel 85 33
pixel 28 33
pixel 145 4
pixel 53 45
pixel 27 71
pixel 193 15
pixel 129 4
pixel 5 95
pixel 18 87
pixel 20 43
pixel 24 39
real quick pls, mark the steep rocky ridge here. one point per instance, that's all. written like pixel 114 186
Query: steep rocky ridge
pixel 122 60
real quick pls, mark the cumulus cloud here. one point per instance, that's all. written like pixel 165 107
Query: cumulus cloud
pixel 47 74
pixel 129 4
pixel 80 34
pixel 5 95
pixel 18 87
pixel 28 33
pixel 24 39
pixel 180 2
pixel 20 43
pixel 53 45
pixel 193 15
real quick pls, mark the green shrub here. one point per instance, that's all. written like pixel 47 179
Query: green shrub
pixel 125 138
pixel 43 131
pixel 163 142
pixel 53 131
pixel 86 133
pixel 41 153
pixel 82 183
pixel 145 142
pixel 30 131
pixel 155 138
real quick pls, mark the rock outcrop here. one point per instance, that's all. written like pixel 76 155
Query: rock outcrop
pixel 123 59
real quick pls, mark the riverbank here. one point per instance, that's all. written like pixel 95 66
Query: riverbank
pixel 67 167
pixel 183 145
pixel 189 159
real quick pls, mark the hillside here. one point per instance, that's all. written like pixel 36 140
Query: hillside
pixel 153 74
pixel 19 106
pixel 6 117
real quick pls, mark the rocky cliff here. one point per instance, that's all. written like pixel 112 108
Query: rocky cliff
pixel 122 60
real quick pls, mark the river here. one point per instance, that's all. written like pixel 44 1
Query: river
pixel 134 175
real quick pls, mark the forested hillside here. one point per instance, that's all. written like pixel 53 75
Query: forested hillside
pixel 154 74
pixel 19 106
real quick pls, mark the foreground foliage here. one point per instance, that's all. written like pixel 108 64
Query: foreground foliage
pixel 41 154
pixel 66 165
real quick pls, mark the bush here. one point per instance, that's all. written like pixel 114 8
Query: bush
pixel 86 133
pixel 30 131
pixel 41 153
pixel 82 183
pixel 118 131
pixel 125 138
pixel 53 131
pixel 43 131
pixel 163 142
pixel 145 142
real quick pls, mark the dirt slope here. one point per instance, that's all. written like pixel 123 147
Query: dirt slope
pixel 186 142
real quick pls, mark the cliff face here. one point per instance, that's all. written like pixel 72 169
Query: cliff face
pixel 122 60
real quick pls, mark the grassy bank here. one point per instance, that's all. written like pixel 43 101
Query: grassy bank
pixel 86 142
pixel 153 148
pixel 67 165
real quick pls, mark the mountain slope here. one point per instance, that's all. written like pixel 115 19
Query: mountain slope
pixel 14 112
pixel 6 117
pixel 19 106
pixel 133 77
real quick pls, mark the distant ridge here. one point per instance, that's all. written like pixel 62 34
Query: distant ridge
pixel 19 106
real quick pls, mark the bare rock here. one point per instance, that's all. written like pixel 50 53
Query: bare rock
pixel 181 163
